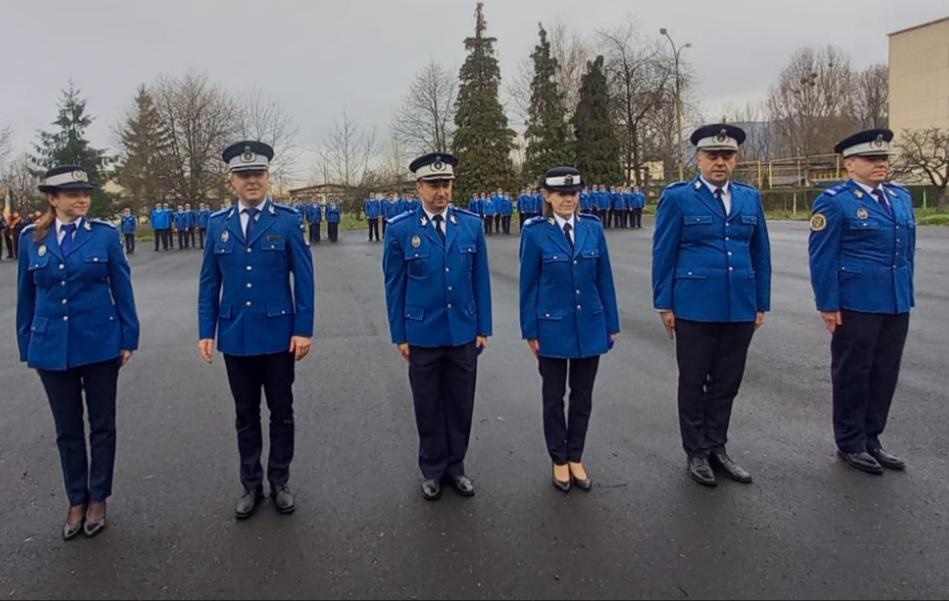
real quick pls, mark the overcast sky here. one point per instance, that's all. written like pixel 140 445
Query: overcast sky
pixel 318 58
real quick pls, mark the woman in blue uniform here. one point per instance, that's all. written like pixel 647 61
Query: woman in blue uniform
pixel 77 325
pixel 569 316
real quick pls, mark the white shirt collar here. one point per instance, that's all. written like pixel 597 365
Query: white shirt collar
pixel 60 224
pixel 431 216
pixel 560 221
pixel 712 187
pixel 867 188
pixel 261 207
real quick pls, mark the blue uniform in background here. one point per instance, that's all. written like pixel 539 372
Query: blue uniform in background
pixel 712 269
pixel 161 225
pixel 314 217
pixel 129 226
pixel 333 217
pixel 202 216
pixel 372 207
pixel 862 258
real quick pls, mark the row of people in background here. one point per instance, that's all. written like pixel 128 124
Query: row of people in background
pixel 616 206
pixel 495 211
pixel 10 228
pixel 190 224
pixel 376 208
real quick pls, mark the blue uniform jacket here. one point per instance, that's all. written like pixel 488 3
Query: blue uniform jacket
pixel 567 297
pixel 861 257
pixel 586 201
pixel 78 309
pixel 706 266
pixel 161 219
pixel 333 214
pixel 202 217
pixel 129 224
pixel 437 293
pixel 390 209
pixel 245 292
pixel 476 206
pixel 489 207
pixel 372 208
pixel 314 213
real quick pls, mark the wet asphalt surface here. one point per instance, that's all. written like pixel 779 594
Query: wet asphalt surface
pixel 807 528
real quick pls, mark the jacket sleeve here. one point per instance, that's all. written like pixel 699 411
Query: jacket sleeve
pixel 304 280
pixel 120 283
pixel 25 298
pixel 665 251
pixel 393 269
pixel 209 291
pixel 604 282
pixel 481 283
pixel 761 259
pixel 529 289
pixel 824 253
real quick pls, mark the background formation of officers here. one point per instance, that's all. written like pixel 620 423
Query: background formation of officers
pixel 77 324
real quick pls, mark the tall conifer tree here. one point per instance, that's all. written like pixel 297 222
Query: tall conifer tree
pixel 597 150
pixel 546 134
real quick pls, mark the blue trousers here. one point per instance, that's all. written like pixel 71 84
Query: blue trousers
pixel 86 481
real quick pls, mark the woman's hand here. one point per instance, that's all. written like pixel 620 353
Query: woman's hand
pixel 534 346
pixel 669 321
pixel 126 357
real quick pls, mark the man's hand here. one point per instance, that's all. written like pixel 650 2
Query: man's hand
pixel 669 321
pixel 206 348
pixel 126 356
pixel 404 350
pixel 300 346
pixel 832 319
pixel 534 346
pixel 481 343
pixel 759 320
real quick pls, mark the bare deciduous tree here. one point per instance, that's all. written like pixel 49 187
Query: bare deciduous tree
pixel 760 142
pixel 811 105
pixel 200 119
pixel 21 180
pixel 6 147
pixel 261 119
pixel 345 159
pixel 872 101
pixel 426 120
pixel 924 152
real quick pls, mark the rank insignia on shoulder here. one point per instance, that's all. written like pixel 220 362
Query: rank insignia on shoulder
pixel 697 185
pixel 424 221
pixel 862 213
pixel 552 221
pixel 272 210
pixel 858 193
pixel 225 236
pixel 42 251
pixel 87 226
pixel 416 242
pixel 818 223
pixel 453 219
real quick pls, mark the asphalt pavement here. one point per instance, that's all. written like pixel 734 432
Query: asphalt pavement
pixel 808 527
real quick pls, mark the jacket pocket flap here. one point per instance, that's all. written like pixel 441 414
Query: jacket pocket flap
pixel 590 254
pixel 279 309
pixel 691 274
pixel 411 255
pixel 274 245
pixel 414 313
pixel 552 314
pixel 696 219
pixel 862 224
pixel 468 249
pixel 556 258
pixel 38 263
pixel 39 325
pixel 749 219
pixel 224 248
pixel 95 255
pixel 850 269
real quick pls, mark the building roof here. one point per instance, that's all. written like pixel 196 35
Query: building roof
pixel 919 26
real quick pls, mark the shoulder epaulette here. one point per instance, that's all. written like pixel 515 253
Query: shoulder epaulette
pixel 534 221
pixel 743 185
pixel 286 208
pixel 28 228
pixel 466 212
pixel 588 217
pixel 101 222
pixel 221 212
pixel 675 185
pixel 835 190
pixel 896 186
pixel 399 217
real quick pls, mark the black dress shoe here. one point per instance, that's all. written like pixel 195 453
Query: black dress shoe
pixel 248 503
pixel 283 499
pixel 701 471
pixel 721 460
pixel 71 530
pixel 93 528
pixel 585 485
pixel 862 461
pixel 463 486
pixel 887 460
pixel 431 489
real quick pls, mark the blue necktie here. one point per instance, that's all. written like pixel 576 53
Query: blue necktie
pixel 251 214
pixel 566 232
pixel 438 219
pixel 66 244
pixel 721 201
pixel 883 200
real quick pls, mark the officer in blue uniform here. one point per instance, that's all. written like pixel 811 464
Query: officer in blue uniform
pixel 192 217
pixel 77 325
pixel 372 207
pixel 161 223
pixel 506 211
pixel 569 316
pixel 711 278
pixel 202 216
pixel 263 325
pixel 639 203
pixel 333 217
pixel 129 226
pixel 862 252
pixel 314 217
pixel 438 295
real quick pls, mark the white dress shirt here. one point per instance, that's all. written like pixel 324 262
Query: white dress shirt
pixel 726 193
pixel 431 217
pixel 573 225
pixel 60 234
pixel 245 217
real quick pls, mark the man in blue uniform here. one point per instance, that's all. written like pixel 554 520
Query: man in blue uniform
pixel 201 221
pixel 314 217
pixel 862 252
pixel 129 227
pixel 438 295
pixel 333 217
pixel 262 324
pixel 161 222
pixel 639 203
pixel 192 216
pixel 372 207
pixel 711 278
pixel 505 211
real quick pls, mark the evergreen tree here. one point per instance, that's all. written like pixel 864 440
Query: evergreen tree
pixel 597 150
pixel 144 142
pixel 69 146
pixel 547 144
pixel 482 140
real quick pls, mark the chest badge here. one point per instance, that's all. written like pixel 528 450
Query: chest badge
pixel 416 242
pixel 42 251
pixel 225 236
pixel 862 214
pixel 818 223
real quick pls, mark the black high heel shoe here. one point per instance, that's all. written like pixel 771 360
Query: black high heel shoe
pixel 71 530
pixel 585 485
pixel 561 485
pixel 93 528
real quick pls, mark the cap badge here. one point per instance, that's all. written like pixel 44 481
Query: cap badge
pixel 225 236
pixel 879 143
pixel 438 165
pixel 42 251
pixel 80 176
pixel 248 156
pixel 568 180
pixel 416 242
pixel 862 213
pixel 722 135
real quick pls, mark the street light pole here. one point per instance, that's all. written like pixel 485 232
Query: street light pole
pixel 675 53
